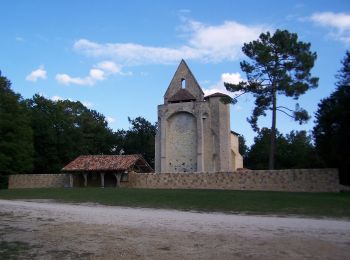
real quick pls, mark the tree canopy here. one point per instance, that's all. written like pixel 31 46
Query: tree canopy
pixel 39 135
pixel 293 151
pixel 279 65
pixel 64 130
pixel 140 139
pixel 16 143
pixel 332 129
pixel 243 148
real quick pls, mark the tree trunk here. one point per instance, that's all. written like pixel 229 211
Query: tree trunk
pixel 273 132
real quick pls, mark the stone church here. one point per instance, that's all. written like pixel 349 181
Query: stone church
pixel 194 132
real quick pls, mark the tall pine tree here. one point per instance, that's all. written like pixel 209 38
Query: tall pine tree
pixel 279 65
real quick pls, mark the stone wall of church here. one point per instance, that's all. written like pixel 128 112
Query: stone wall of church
pixel 296 180
pixel 38 181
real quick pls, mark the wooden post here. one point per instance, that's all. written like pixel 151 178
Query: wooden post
pixel 85 179
pixel 71 180
pixel 102 174
pixel 118 177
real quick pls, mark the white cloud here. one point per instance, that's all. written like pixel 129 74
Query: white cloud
pixel 65 79
pixel 222 42
pixel 339 23
pixel 94 76
pixel 99 72
pixel 233 78
pixel 109 67
pixel 88 104
pixel 56 98
pixel 110 120
pixel 40 73
pixel 205 42
pixel 132 54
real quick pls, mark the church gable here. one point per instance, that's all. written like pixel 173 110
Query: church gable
pixel 183 84
pixel 193 133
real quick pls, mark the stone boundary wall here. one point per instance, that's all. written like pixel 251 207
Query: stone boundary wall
pixel 293 180
pixel 38 181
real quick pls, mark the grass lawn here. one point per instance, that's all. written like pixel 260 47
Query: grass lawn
pixel 248 202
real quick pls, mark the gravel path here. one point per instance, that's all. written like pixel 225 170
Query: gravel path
pixel 65 231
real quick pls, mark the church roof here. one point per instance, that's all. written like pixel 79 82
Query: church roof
pixel 183 79
pixel 107 163
pixel 217 94
pixel 182 95
pixel 234 133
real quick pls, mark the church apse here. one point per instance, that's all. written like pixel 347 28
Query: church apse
pixel 193 131
pixel 182 143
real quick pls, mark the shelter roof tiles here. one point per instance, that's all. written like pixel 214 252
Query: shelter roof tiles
pixel 106 163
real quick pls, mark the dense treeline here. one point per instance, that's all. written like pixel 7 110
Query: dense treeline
pixel 332 129
pixel 39 135
pixel 294 151
pixel 63 130
pixel 16 135
pixel 139 139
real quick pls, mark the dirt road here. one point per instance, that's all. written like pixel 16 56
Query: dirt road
pixel 49 230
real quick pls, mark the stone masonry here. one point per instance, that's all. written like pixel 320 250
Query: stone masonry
pixel 38 181
pixel 296 180
pixel 194 131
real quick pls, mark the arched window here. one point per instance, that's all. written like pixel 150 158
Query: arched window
pixel 183 83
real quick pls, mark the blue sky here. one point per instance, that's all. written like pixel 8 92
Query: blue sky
pixel 118 57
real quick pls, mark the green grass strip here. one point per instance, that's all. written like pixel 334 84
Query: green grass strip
pixel 247 202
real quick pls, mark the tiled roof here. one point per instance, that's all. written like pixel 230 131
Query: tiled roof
pixel 106 163
pixel 217 94
pixel 182 95
pixel 235 133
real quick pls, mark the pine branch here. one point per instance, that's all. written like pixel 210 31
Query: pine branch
pixel 285 108
pixel 285 113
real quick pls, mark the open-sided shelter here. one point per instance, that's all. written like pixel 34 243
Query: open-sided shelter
pixel 104 170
